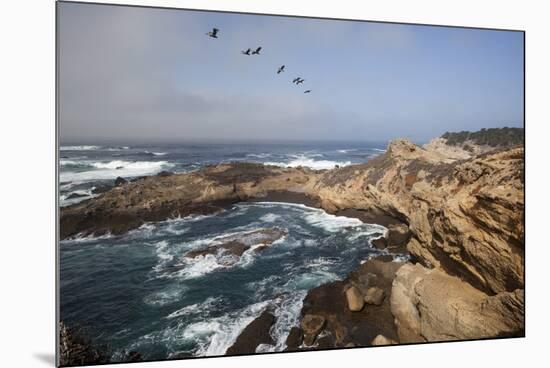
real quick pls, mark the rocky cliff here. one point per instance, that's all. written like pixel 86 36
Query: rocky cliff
pixel 464 213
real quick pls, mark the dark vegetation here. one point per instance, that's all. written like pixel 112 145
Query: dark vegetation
pixel 493 137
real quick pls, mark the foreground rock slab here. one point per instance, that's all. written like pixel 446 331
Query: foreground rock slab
pixel 430 305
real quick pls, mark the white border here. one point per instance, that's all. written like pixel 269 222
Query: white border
pixel 27 183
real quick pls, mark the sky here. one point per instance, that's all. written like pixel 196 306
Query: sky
pixel 129 74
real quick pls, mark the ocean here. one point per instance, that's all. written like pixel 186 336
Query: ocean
pixel 138 291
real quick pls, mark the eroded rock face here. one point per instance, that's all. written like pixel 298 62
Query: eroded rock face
pixel 312 325
pixel 430 305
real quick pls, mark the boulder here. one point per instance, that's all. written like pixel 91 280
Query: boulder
pixel 374 295
pixel 380 243
pixel 294 339
pixel 120 181
pixel 256 333
pixel 382 340
pixel 355 299
pixel 165 173
pixel 430 305
pixel 398 235
pixel 312 325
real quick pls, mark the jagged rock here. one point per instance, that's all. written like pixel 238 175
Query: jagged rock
pixel 238 244
pixel 120 181
pixel 398 234
pixel 382 340
pixel 311 326
pixel 165 173
pixel 294 339
pixel 380 243
pixel 76 349
pixel 374 296
pixel 430 305
pixel 354 299
pixel 256 333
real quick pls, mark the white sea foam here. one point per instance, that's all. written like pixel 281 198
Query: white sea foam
pixel 347 150
pixel 114 169
pixel 259 155
pixel 287 314
pixel 79 148
pixel 156 153
pixel 197 308
pixel 221 332
pixel 165 297
pixel 308 161
pixel 330 223
pixel 270 217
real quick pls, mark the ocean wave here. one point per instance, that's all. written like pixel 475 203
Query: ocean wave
pixel 198 308
pixel 219 333
pixel 79 148
pixel 270 217
pixel 259 155
pixel 330 223
pixel 79 238
pixel 347 150
pixel 114 169
pixel 309 161
pixel 156 153
pixel 164 297
pixel 83 194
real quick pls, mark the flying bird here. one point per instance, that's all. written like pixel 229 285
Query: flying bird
pixel 307 91
pixel 300 81
pixel 295 80
pixel 213 33
pixel 247 52
pixel 281 69
pixel 257 51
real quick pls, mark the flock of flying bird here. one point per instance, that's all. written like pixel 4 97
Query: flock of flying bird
pixel 249 51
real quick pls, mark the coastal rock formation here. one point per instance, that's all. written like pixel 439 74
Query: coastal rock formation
pixel 430 305
pixel 238 244
pixel 382 340
pixel 75 349
pixel 457 205
pixel 256 333
pixel 342 326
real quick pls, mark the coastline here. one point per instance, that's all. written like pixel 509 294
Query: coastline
pixel 432 205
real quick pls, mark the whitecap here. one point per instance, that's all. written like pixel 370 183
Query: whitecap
pixel 308 161
pixel 196 308
pixel 114 169
pixel 222 332
pixel 79 148
pixel 270 217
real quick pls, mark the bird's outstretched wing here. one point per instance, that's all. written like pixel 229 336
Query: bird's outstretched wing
pixel 215 31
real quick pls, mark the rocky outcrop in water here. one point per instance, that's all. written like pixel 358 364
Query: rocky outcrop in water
pixel 75 349
pixel 237 245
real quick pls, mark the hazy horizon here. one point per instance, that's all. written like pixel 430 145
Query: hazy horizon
pixel 151 75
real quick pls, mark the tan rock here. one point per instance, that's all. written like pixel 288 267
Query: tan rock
pixel 355 299
pixel 382 340
pixel 374 296
pixel 429 305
